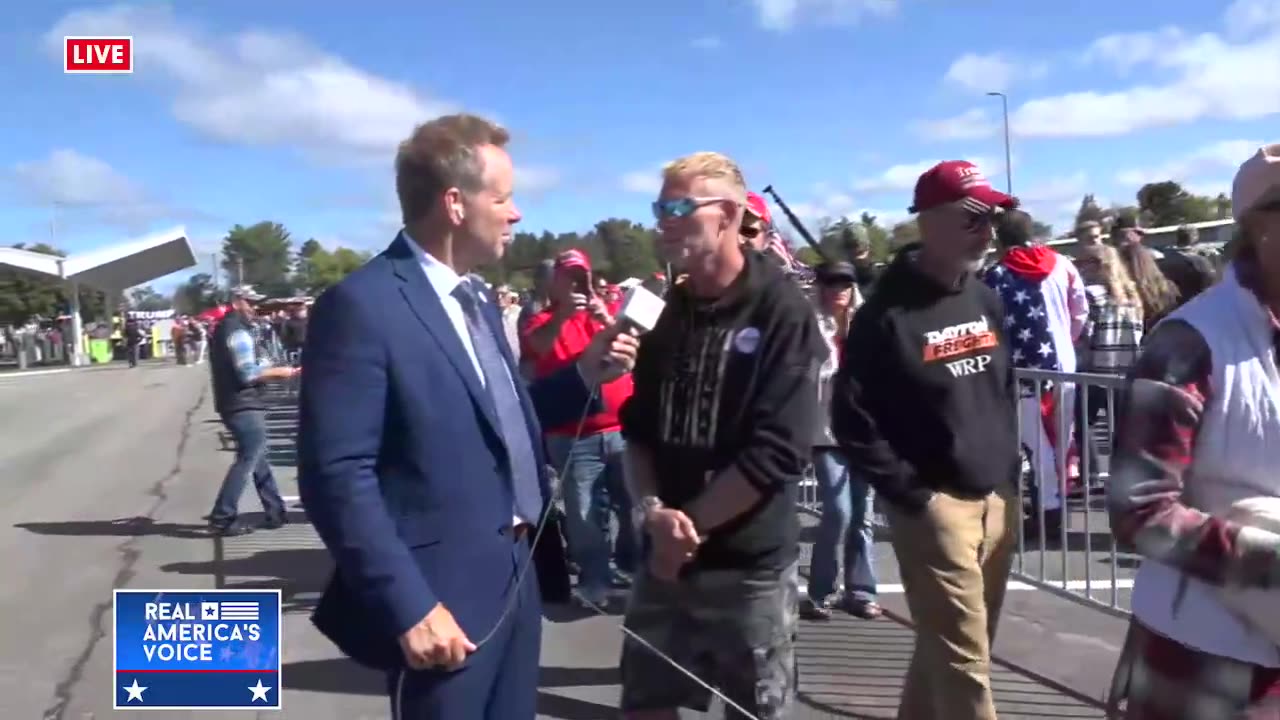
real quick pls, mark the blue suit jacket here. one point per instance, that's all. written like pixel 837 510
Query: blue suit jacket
pixel 401 466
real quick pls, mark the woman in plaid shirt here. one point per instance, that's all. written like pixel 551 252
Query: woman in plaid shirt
pixel 1199 435
pixel 1111 338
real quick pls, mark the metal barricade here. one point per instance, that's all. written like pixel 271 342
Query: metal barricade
pixel 1065 542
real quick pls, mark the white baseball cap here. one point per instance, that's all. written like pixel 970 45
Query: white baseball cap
pixel 1257 182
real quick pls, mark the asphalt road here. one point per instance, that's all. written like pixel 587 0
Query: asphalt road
pixel 105 474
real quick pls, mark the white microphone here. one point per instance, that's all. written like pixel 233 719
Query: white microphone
pixel 640 310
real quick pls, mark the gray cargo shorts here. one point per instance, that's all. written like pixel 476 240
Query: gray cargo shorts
pixel 735 630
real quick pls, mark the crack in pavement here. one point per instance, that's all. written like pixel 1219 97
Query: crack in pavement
pixel 129 554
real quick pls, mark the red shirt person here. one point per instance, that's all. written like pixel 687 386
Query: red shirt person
pixel 593 455
pixel 556 336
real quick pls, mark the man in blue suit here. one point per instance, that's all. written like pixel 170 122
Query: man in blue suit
pixel 419 453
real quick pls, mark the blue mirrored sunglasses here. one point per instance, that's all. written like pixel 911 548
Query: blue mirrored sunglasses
pixel 680 207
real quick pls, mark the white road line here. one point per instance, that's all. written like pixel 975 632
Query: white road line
pixel 1072 585
pixel 33 373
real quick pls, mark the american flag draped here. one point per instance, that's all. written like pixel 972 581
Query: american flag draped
pixel 775 245
pixel 1026 323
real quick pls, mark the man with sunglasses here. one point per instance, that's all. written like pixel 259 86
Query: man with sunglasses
pixel 718 434
pixel 927 416
pixel 756 221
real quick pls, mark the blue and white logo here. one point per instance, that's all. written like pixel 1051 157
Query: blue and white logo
pixel 205 649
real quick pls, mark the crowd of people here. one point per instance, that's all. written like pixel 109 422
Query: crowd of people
pixel 441 421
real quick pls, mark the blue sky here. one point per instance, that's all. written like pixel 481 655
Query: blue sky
pixel 290 110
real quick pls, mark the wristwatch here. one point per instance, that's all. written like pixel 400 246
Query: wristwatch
pixel 647 504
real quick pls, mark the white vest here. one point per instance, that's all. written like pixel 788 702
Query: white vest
pixel 1236 456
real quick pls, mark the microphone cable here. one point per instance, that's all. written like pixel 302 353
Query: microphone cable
pixel 557 493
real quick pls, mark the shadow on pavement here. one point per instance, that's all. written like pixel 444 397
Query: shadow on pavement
pixel 343 677
pixel 121 527
pixel 299 574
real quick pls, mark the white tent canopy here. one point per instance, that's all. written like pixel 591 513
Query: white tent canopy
pixel 111 269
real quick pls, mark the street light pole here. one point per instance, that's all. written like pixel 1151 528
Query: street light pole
pixel 1008 152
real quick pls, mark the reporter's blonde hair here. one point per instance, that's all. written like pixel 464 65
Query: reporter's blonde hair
pixel 709 166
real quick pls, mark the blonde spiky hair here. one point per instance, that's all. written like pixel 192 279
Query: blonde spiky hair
pixel 710 166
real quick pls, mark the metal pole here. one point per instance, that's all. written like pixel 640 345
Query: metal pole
pixel 1008 151
pixel 239 271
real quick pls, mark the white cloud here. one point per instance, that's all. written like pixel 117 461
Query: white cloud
pixel 534 179
pixel 995 72
pixel 707 42
pixel 902 177
pixel 1219 157
pixel 261 88
pixel 1233 75
pixel 645 182
pixel 974 124
pixel 1204 76
pixel 77 187
pixel 782 15
pixel 1055 200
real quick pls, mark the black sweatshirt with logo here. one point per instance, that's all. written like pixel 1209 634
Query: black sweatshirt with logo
pixel 926 398
pixel 732 381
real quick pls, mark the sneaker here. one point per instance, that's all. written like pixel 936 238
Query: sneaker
pixel 231 529
pixel 865 609
pixel 810 610
pixel 592 597
pixel 274 523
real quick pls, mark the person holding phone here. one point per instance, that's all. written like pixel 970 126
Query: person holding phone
pixel 593 486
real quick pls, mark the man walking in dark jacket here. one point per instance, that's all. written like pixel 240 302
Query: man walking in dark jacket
pixel 929 419
pixel 239 377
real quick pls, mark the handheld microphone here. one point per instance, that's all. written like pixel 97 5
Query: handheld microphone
pixel 640 310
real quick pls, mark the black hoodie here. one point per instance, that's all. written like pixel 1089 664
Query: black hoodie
pixel 732 381
pixel 926 398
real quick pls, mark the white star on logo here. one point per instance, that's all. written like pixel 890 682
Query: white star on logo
pixel 135 691
pixel 1009 321
pixel 1017 356
pixel 259 691
pixel 1045 349
pixel 1024 334
pixel 1021 296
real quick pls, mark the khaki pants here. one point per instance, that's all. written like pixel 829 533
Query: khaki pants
pixel 954 557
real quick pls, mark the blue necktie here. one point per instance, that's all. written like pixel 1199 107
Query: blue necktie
pixel 510 413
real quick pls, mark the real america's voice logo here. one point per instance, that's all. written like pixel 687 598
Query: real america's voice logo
pixel 205 649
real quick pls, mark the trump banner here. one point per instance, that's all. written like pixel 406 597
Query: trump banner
pixel 197 650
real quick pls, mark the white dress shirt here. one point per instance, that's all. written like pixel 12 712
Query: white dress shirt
pixel 444 281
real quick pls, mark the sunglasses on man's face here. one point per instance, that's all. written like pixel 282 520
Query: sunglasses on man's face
pixel 681 207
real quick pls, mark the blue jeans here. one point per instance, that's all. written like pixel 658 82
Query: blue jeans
pixel 593 486
pixel 249 428
pixel 847 514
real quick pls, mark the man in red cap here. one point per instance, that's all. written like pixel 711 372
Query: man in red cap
pixel 929 419
pixel 756 221
pixel 554 338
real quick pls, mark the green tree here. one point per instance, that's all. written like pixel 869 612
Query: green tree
pixel 197 294
pixel 146 298
pixel 627 248
pixel 904 233
pixel 878 241
pixel 1090 211
pixel 321 269
pixel 1168 203
pixel 25 295
pixel 259 255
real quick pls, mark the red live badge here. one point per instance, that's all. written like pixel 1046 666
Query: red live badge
pixel 111 55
